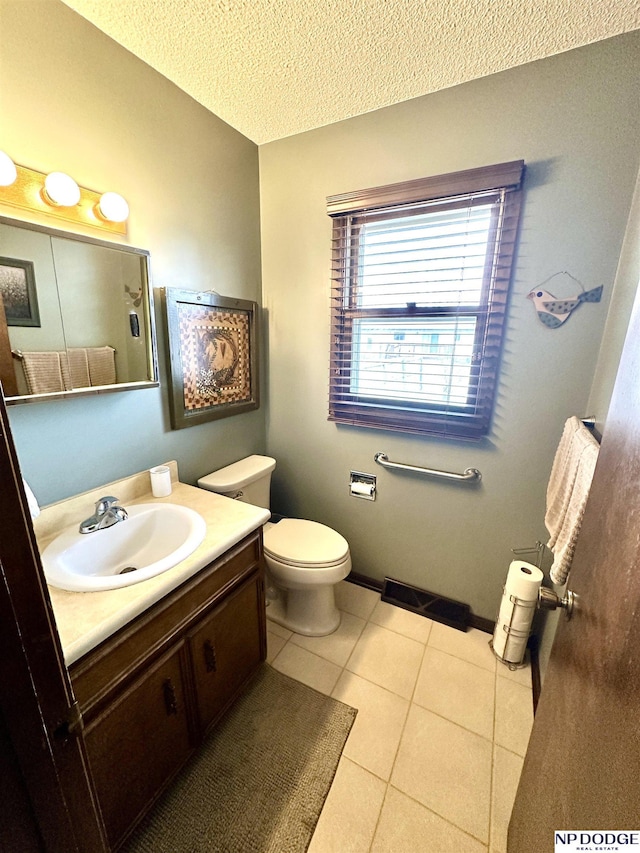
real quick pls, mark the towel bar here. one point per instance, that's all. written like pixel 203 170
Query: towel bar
pixel 470 475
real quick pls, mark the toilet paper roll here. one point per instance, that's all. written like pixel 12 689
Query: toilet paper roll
pixel 362 489
pixel 160 481
pixel 508 646
pixel 512 629
pixel 523 580
pixel 517 609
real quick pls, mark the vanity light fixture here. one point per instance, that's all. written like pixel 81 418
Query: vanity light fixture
pixel 113 207
pixel 56 194
pixel 61 190
pixel 8 171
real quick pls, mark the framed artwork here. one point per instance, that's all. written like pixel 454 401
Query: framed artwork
pixel 18 289
pixel 213 347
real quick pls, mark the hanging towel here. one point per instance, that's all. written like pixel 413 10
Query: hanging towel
pixel 75 368
pixel 567 493
pixel 34 509
pixel 43 372
pixel 563 475
pixel 102 365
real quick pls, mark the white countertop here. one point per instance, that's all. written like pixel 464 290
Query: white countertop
pixel 85 619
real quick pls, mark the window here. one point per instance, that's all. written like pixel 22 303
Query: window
pixel 420 274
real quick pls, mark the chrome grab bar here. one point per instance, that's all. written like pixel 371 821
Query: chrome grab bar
pixel 470 475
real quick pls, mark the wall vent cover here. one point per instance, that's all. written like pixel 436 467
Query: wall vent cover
pixel 436 607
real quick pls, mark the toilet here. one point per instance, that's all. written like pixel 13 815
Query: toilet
pixel 304 559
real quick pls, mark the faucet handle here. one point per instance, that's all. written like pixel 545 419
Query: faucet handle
pixel 106 503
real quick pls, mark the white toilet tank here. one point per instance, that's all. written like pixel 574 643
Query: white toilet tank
pixel 250 476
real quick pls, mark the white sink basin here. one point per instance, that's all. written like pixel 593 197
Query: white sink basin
pixel 154 538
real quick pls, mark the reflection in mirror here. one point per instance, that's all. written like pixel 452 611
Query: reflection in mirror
pixel 77 315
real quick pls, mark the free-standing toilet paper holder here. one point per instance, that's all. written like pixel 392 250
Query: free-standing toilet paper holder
pixel 547 598
pixel 514 635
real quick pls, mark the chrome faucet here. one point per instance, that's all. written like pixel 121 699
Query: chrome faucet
pixel 108 512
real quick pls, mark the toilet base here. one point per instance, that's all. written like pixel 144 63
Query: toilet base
pixel 312 613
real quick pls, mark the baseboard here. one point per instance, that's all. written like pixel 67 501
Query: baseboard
pixel 536 682
pixel 366 582
pixel 482 624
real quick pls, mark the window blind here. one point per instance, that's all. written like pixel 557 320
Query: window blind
pixel 420 276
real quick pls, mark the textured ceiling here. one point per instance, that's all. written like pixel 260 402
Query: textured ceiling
pixel 272 68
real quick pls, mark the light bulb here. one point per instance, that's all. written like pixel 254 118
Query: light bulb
pixel 113 207
pixel 61 190
pixel 8 171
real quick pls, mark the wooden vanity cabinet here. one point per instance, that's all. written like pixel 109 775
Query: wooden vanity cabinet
pixel 141 740
pixel 223 649
pixel 149 693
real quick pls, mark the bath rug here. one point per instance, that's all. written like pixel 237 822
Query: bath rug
pixel 259 781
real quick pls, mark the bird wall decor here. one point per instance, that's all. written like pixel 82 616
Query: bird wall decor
pixel 553 311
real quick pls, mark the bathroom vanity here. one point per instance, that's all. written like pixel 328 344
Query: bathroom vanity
pixel 155 665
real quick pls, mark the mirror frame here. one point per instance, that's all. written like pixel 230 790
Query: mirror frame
pixel 152 346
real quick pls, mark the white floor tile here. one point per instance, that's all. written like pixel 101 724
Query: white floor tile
pixel 514 715
pixel 350 812
pixel 275 645
pixel 472 645
pixel 338 646
pixel 407 827
pixel 507 767
pixel 308 668
pixel 438 716
pixel 402 621
pixel 460 691
pixel 374 738
pixel 521 675
pixel 387 659
pixel 356 599
pixel 447 769
pixel 285 633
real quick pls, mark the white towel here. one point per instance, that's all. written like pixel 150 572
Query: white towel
pixel 563 475
pixel 43 372
pixel 567 494
pixel 102 365
pixel 75 368
pixel 34 509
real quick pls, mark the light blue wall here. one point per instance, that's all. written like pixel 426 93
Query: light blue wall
pixel 196 197
pixel 575 120
pixel 88 107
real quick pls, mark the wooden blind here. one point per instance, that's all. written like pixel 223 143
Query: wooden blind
pixel 420 277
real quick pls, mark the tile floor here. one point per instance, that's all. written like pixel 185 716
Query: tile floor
pixel 433 759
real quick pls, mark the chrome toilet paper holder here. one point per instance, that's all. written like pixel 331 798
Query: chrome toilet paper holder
pixel 362 485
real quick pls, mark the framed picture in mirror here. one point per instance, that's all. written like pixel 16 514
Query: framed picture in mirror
pixel 18 289
pixel 213 350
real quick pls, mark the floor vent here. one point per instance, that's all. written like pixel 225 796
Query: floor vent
pixel 435 607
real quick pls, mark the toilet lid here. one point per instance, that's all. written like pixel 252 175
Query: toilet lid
pixel 304 543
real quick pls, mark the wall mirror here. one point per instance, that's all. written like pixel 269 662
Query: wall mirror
pixel 76 315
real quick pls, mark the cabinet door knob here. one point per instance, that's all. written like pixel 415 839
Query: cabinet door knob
pixel 210 656
pixel 170 699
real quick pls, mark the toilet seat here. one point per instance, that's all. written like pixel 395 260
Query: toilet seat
pixel 307 544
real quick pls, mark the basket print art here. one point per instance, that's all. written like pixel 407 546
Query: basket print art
pixel 215 346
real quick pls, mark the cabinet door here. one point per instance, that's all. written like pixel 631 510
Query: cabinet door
pixel 225 649
pixel 139 742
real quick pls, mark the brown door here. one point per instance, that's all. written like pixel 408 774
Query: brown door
pixel 58 810
pixel 582 768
